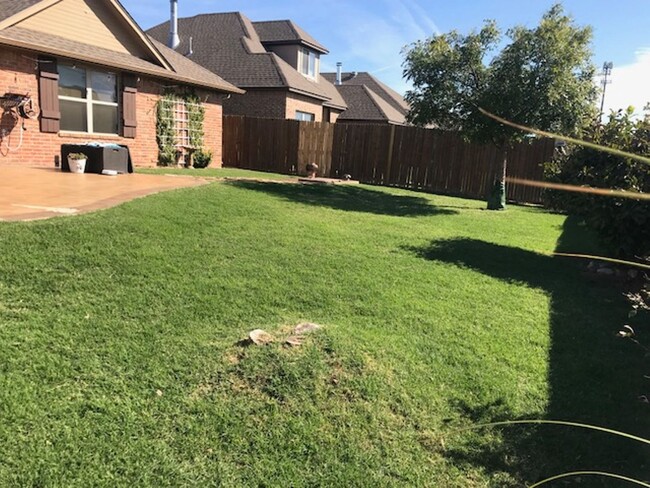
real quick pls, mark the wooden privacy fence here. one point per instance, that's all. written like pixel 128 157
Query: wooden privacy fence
pixel 405 157
pixel 277 145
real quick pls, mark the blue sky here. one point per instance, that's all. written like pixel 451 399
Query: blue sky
pixel 368 35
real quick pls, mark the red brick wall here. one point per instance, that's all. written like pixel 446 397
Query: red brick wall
pixel 273 104
pixel 334 115
pixel 18 74
pixel 304 104
pixel 257 103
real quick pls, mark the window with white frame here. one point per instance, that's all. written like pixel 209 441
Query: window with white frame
pixel 305 116
pixel 88 100
pixel 308 62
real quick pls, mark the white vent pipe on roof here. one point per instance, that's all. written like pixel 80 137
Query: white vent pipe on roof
pixel 339 66
pixel 173 40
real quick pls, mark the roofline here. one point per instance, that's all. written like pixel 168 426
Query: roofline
pixel 141 34
pixel 334 105
pixel 294 28
pixel 43 4
pixel 370 94
pixel 275 58
pixel 171 76
pixel 27 12
pixel 294 42
pixel 308 94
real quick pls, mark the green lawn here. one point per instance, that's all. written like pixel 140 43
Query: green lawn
pixel 215 173
pixel 122 363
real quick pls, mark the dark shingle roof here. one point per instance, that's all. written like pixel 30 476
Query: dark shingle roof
pixel 9 8
pixel 335 98
pixel 366 105
pixel 286 32
pixel 182 69
pixel 381 89
pixel 228 44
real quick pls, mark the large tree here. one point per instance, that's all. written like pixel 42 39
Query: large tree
pixel 542 78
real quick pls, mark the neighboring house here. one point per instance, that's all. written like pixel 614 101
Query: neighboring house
pixel 276 62
pixel 369 100
pixel 96 76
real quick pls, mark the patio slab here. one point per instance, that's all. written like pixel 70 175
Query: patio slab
pixel 41 193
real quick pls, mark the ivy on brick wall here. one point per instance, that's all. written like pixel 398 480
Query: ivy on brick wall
pixel 195 116
pixel 165 133
pixel 169 122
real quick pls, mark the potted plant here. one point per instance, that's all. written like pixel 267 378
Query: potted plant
pixel 77 162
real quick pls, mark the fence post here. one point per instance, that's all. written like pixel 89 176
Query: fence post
pixel 389 160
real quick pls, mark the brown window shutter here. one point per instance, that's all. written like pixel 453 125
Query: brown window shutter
pixel 129 95
pixel 48 88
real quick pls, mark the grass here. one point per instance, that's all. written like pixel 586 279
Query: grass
pixel 121 362
pixel 215 173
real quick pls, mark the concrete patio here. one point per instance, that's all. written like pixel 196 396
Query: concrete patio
pixel 40 193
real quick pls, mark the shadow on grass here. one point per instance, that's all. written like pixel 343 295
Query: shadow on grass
pixel 594 378
pixel 348 197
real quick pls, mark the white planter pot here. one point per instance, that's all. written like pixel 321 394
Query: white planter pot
pixel 77 165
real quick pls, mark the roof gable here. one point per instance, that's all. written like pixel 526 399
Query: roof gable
pixel 274 32
pixel 9 8
pixel 101 23
pixel 366 105
pixel 22 23
pixel 366 79
pixel 229 44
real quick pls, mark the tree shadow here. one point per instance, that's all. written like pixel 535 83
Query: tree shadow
pixel 349 198
pixel 594 377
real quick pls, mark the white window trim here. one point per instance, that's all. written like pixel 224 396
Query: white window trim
pixel 302 52
pixel 90 102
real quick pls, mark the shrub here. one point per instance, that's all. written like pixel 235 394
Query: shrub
pixel 622 223
pixel 202 158
pixel 166 157
pixel 77 156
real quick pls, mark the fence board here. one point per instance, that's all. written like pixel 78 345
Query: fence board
pixel 406 157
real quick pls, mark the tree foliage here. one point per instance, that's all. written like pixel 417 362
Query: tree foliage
pixel 623 224
pixel 542 78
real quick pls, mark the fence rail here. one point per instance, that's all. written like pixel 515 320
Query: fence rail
pixel 405 157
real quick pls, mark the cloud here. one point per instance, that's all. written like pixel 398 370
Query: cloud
pixel 372 39
pixel 630 84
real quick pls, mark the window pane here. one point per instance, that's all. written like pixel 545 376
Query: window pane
pixel 72 82
pixel 304 68
pixel 312 64
pixel 73 116
pixel 305 116
pixel 104 119
pixel 104 86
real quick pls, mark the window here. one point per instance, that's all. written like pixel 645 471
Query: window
pixel 308 62
pixel 88 100
pixel 305 116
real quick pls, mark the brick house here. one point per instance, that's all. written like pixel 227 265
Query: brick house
pixel 276 62
pixel 96 76
pixel 368 99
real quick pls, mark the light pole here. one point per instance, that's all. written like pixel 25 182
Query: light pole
pixel 607 70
